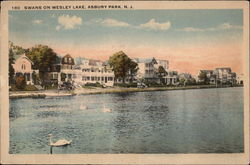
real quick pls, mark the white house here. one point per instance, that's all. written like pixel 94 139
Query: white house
pixel 93 71
pixel 240 79
pixel 23 67
pixel 147 70
pixel 225 75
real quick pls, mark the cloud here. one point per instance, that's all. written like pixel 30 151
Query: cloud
pixel 153 25
pixel 191 29
pixel 68 22
pixel 37 21
pixel 112 23
pixel 223 26
pixel 229 26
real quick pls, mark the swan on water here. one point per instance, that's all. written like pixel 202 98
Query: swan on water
pixel 83 107
pixel 61 142
pixel 106 109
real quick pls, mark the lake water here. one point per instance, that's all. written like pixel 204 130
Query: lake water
pixel 180 121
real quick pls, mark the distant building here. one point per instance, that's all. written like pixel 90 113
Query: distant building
pixel 225 75
pixel 240 79
pixel 163 63
pixel 23 67
pixel 210 74
pixel 148 71
pixel 218 76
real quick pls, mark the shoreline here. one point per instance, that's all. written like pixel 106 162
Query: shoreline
pixel 83 91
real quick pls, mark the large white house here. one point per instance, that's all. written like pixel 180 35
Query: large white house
pixel 96 71
pixel 147 70
pixel 23 67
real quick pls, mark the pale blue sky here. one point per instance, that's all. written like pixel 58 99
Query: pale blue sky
pixel 78 32
pixel 22 25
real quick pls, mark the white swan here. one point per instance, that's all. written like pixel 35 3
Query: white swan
pixel 61 142
pixel 106 109
pixel 83 107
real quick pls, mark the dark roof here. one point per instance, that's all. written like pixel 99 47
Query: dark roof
pixel 69 63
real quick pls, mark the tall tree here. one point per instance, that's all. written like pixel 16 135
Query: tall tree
pixel 161 71
pixel 43 58
pixel 122 65
pixel 11 69
pixel 203 77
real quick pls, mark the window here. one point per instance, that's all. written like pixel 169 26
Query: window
pixel 27 76
pixel 102 78
pixel 70 60
pixel 65 60
pixel 92 78
pixel 110 78
pixel 23 67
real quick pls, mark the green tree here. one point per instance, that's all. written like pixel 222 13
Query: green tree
pixel 43 58
pixel 122 65
pixel 11 69
pixel 17 50
pixel 203 77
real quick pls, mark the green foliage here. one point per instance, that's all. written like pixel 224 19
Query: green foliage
pixel 122 66
pixel 153 84
pixel 43 58
pixel 20 82
pixel 27 88
pixel 182 81
pixel 161 71
pixel 35 78
pixel 129 85
pixel 97 84
pixel 17 50
pixel 11 69
pixel 203 78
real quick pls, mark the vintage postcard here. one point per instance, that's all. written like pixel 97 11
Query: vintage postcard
pixel 124 82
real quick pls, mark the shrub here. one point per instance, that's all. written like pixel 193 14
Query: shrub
pixel 20 82
pixel 97 84
pixel 126 85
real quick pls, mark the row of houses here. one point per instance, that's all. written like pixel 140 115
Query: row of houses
pixel 220 76
pixel 82 71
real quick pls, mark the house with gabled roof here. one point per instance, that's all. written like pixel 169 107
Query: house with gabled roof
pixel 23 67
